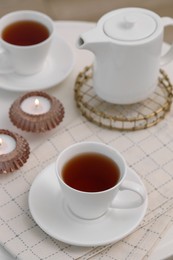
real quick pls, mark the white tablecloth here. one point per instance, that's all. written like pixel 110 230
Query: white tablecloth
pixel 70 32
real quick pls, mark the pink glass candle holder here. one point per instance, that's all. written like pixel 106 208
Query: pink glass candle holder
pixel 36 112
pixel 14 151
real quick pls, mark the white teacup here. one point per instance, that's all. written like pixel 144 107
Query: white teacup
pixel 28 59
pixel 91 205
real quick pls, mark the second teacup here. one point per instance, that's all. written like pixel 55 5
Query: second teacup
pixel 25 39
pixel 90 175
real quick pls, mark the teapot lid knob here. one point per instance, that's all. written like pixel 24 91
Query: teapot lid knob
pixel 130 24
pixel 129 20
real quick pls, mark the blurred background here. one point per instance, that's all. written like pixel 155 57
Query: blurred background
pixel 87 10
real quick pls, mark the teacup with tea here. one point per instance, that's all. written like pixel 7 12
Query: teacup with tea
pixel 90 175
pixel 25 40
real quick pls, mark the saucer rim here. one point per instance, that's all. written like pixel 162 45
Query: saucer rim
pixel 81 243
pixel 8 82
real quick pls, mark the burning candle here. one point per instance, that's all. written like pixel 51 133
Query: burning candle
pixel 36 112
pixel 36 105
pixel 14 151
pixel 7 144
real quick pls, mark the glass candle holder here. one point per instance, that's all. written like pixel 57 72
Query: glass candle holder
pixel 36 112
pixel 14 151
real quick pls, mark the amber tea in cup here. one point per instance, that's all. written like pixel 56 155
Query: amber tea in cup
pixel 90 175
pixel 25 33
pixel 25 39
pixel 91 172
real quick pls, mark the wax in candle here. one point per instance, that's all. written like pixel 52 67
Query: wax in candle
pixel 36 105
pixel 7 144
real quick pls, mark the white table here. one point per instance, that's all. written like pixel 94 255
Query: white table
pixel 70 32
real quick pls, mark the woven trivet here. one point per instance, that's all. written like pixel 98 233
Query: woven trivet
pixel 123 117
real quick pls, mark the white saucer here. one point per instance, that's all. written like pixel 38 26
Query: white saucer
pixel 57 67
pixel 51 213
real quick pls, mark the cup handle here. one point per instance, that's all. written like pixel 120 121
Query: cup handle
pixel 168 56
pixel 5 62
pixel 133 187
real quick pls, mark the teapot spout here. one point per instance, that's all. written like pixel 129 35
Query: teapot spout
pixel 90 40
pixel 86 40
pixel 80 43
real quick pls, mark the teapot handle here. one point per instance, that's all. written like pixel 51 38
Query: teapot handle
pixel 168 56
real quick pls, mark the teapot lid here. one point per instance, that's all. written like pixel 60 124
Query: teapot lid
pixel 130 25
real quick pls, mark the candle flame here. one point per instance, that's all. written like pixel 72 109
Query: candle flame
pixel 0 141
pixel 37 102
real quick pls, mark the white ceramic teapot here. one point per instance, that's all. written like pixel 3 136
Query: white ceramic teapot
pixel 127 44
